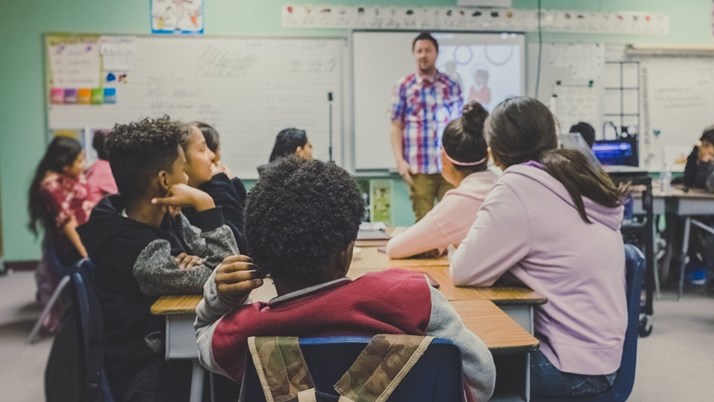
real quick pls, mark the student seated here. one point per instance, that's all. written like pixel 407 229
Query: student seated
pixel 137 261
pixel 532 225
pixel 58 203
pixel 100 180
pixel 203 173
pixel 464 159
pixel 213 141
pixel 699 171
pixel 302 219
pixel 290 141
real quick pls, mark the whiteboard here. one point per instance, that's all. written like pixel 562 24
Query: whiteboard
pixel 247 88
pixel 570 81
pixel 380 58
pixel 678 100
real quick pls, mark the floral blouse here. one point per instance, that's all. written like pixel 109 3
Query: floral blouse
pixel 66 197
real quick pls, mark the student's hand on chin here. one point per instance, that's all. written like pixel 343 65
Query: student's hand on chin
pixel 219 167
pixel 183 195
pixel 236 277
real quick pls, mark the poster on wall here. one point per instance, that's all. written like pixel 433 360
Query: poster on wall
pixel 177 17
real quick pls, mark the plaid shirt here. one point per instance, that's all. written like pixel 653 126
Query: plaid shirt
pixel 425 108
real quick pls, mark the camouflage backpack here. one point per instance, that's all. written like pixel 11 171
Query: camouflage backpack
pixel 374 375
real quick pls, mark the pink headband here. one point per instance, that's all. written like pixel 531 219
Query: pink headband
pixel 455 162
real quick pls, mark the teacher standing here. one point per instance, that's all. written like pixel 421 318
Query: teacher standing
pixel 422 104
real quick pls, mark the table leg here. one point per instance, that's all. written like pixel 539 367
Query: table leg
pixel 528 378
pixel 196 382
pixel 685 251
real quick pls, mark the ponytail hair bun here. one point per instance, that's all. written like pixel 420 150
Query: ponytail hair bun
pixel 473 117
pixel 464 141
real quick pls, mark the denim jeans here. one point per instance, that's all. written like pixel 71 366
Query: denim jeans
pixel 547 380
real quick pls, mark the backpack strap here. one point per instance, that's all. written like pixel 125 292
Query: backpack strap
pixel 281 368
pixel 380 367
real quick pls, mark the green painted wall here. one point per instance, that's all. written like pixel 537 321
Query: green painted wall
pixel 22 111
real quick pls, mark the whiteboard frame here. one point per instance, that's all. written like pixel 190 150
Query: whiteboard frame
pixel 345 95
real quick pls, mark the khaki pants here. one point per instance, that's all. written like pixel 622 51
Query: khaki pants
pixel 425 190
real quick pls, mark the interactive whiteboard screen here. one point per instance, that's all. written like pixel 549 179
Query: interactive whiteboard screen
pixel 489 66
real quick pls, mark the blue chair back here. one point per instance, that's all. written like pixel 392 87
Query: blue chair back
pixel 92 325
pixel 75 367
pixel 621 389
pixel 437 376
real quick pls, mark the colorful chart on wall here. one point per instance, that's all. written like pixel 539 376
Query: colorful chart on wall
pixel 177 16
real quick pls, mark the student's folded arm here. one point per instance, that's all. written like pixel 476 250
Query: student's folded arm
pixel 208 314
pixel 423 236
pixel 210 238
pixel 479 368
pixel 158 273
pixel 498 239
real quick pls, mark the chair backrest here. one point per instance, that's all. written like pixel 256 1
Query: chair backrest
pixel 437 376
pixel 621 389
pixel 75 369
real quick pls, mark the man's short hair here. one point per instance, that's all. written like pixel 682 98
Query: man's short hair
pixel 425 36
pixel 299 215
pixel 139 150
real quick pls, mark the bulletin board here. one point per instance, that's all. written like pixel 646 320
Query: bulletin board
pixel 247 88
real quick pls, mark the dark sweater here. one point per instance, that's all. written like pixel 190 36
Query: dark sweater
pixel 135 264
pixel 696 174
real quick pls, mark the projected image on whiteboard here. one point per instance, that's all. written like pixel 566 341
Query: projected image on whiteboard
pixel 487 73
pixel 490 67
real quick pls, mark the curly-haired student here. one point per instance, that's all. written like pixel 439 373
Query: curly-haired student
pixel 137 261
pixel 302 219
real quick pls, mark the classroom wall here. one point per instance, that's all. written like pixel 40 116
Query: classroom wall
pixel 22 103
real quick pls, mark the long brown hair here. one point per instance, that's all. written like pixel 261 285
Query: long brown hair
pixel 522 129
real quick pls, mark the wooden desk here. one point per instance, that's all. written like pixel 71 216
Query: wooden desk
pixel 503 336
pixel 180 337
pixel 371 243
pixel 391 231
pixel 518 302
pixel 370 259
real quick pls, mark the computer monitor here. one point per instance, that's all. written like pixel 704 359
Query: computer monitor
pixel 616 152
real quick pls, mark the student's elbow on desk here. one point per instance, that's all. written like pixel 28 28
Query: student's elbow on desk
pixel 464 277
pixel 395 249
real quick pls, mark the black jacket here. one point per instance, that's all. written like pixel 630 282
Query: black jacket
pixel 697 173
pixel 135 264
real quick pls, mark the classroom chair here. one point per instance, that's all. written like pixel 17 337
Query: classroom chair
pixel 621 389
pixel 437 375
pixel 75 367
pixel 53 267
